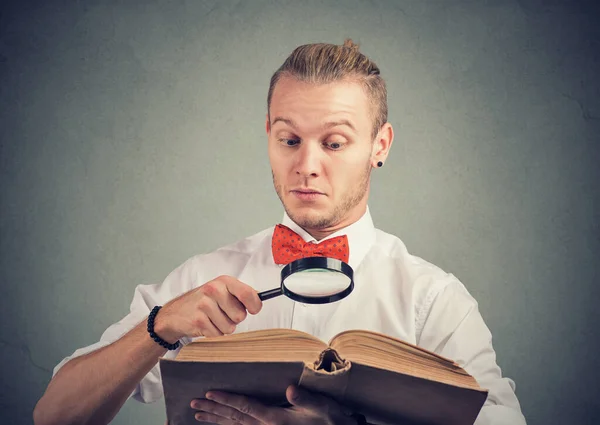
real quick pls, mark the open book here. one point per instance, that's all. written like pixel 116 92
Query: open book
pixel 384 378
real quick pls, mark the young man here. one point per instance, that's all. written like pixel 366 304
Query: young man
pixel 327 129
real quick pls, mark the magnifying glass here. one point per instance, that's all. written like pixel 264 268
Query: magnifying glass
pixel 314 280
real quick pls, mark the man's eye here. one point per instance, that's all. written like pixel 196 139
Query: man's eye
pixel 289 142
pixel 334 145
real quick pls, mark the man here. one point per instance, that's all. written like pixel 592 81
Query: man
pixel 327 129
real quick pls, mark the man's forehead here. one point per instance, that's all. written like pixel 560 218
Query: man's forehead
pixel 331 104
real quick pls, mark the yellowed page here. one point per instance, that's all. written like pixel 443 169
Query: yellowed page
pixel 262 345
pixel 382 351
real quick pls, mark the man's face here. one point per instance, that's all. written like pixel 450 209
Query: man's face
pixel 320 150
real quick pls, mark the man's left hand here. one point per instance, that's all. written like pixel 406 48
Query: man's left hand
pixel 307 408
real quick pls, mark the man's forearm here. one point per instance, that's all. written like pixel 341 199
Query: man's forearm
pixel 91 389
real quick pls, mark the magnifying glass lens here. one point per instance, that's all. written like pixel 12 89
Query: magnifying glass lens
pixel 317 283
pixel 314 280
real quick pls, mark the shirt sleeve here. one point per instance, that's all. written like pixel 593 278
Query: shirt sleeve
pixel 454 328
pixel 145 297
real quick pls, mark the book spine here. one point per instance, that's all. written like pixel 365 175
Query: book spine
pixel 329 375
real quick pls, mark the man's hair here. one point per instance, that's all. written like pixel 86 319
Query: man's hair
pixel 323 63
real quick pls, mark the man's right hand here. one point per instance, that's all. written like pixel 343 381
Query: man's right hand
pixel 108 376
pixel 213 309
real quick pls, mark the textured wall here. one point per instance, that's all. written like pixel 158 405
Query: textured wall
pixel 132 137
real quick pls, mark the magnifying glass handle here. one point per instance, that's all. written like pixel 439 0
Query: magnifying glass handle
pixel 271 293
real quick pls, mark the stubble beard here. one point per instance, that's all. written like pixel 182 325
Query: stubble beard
pixel 328 219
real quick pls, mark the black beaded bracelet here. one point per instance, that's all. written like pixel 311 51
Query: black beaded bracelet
pixel 153 335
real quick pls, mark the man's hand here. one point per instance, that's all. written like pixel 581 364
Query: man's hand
pixel 307 409
pixel 213 309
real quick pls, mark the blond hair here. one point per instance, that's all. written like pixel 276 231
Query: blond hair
pixel 323 63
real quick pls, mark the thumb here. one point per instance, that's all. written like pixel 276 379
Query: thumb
pixel 305 399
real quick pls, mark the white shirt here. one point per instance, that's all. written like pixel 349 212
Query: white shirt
pixel 395 293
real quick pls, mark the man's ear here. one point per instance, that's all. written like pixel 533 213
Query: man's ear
pixel 268 125
pixel 382 144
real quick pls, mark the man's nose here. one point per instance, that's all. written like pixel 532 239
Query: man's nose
pixel 309 160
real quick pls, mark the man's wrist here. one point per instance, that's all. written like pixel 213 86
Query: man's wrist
pixel 161 329
pixel 157 334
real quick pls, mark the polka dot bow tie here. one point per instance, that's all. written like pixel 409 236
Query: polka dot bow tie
pixel 288 246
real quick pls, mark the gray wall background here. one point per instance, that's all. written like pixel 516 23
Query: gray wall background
pixel 132 137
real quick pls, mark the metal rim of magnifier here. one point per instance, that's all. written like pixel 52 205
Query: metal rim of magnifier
pixel 332 264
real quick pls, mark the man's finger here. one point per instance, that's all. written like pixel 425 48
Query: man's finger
pixel 214 419
pixel 246 294
pixel 211 411
pixel 206 326
pixel 300 397
pixel 219 319
pixel 243 404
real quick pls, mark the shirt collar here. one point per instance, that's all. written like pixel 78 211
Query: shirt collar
pixel 361 236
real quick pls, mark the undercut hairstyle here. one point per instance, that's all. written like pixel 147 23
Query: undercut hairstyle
pixel 322 63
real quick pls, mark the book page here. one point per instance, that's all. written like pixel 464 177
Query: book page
pixel 385 352
pixel 262 345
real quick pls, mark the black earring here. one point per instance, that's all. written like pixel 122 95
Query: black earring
pixel 380 164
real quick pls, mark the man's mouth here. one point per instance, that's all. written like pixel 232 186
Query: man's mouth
pixel 307 194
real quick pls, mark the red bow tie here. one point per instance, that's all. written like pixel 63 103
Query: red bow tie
pixel 288 246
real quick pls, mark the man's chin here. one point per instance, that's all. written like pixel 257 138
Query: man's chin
pixel 309 217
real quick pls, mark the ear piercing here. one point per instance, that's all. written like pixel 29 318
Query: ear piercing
pixel 380 164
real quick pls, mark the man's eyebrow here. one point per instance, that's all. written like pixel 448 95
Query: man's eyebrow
pixel 284 120
pixel 338 123
pixel 327 125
